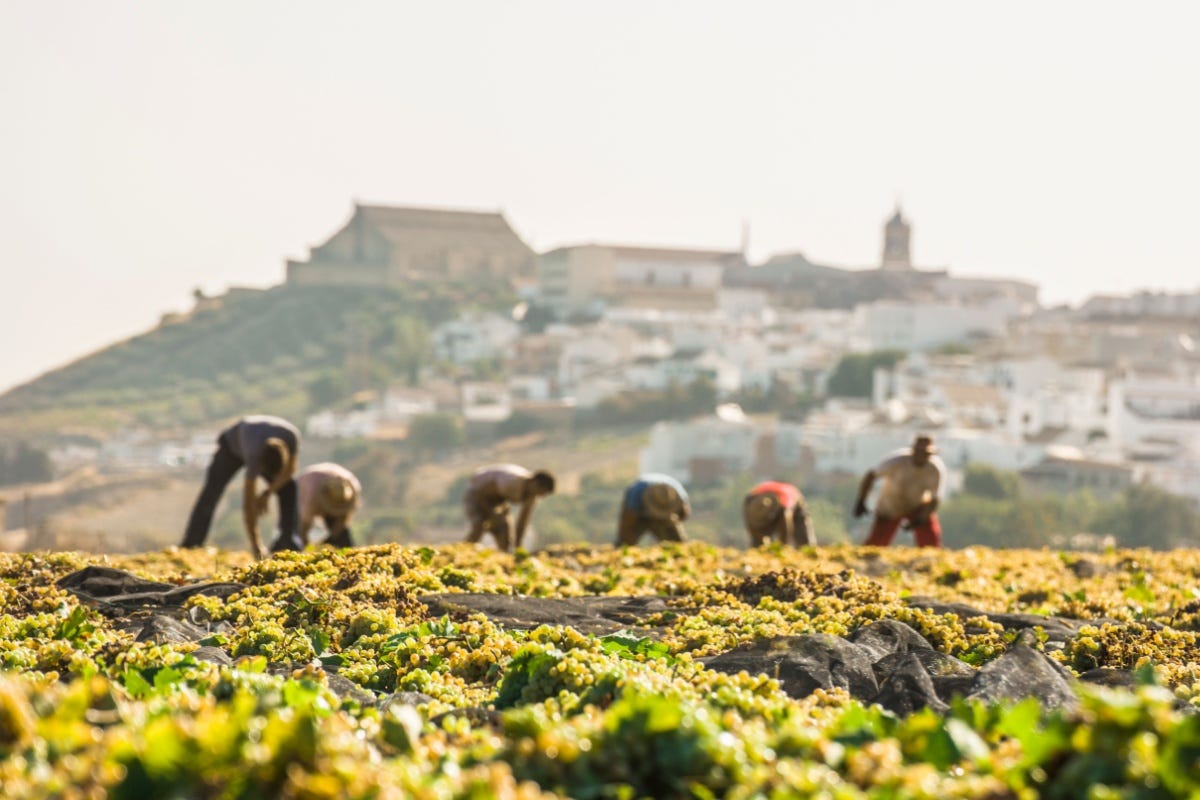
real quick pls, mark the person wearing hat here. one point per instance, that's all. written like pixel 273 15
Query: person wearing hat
pixel 333 493
pixel 912 482
pixel 656 503
pixel 267 447
pixel 490 494
pixel 776 510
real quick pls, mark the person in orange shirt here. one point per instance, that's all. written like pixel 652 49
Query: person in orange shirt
pixel 776 510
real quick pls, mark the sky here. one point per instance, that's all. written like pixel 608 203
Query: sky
pixel 149 149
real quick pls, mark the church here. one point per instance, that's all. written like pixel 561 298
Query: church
pixel 390 245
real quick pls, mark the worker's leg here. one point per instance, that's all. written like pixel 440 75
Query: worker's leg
pixel 929 532
pixel 220 472
pixel 883 530
pixel 288 537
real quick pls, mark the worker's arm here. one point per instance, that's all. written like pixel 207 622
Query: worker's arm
pixel 804 526
pixel 864 489
pixel 253 507
pixel 523 521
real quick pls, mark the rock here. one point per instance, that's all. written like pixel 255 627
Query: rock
pixel 951 686
pixel 347 689
pixel 803 664
pixel 1110 677
pixel 1058 630
pixel 115 592
pixel 908 687
pixel 594 615
pixel 1023 672
pixel 478 717
pixel 213 655
pixel 105 582
pixel 162 629
pixel 935 664
pixel 1087 568
pixel 405 699
pixel 888 636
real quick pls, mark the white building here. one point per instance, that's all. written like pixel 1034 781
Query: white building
pixel 892 325
pixel 474 337
pixel 701 450
pixel 575 278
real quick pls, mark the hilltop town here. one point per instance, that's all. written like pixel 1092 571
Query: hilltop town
pixel 722 367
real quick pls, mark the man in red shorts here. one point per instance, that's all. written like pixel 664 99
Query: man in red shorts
pixel 775 510
pixel 912 479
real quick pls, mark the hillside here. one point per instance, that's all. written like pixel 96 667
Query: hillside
pixel 247 350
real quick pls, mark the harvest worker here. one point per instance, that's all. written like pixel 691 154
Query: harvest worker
pixel 491 493
pixel 775 510
pixel 656 503
pixel 331 492
pixel 912 480
pixel 267 447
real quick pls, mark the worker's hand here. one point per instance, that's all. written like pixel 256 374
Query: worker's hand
pixel 261 553
pixel 860 508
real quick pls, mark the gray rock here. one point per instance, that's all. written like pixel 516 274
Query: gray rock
pixel 162 629
pixel 887 636
pixel 908 687
pixel 106 582
pixel 213 655
pixel 1110 677
pixel 935 664
pixel 405 699
pixel 803 664
pixel 594 615
pixel 347 689
pixel 1024 672
pixel 477 716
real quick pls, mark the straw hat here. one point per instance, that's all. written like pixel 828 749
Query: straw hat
pixel 338 497
pixel 661 500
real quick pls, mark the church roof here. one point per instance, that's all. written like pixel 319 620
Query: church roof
pixel 396 223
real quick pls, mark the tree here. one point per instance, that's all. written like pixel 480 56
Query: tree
pixel 854 374
pixel 1146 516
pixel 435 433
pixel 327 389
pixel 411 347
pixel 25 464
pixel 984 480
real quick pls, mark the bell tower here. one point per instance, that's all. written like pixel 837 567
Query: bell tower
pixel 896 235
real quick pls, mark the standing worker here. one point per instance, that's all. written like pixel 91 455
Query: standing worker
pixel 912 481
pixel 267 447
pixel 333 493
pixel 490 495
pixel 775 510
pixel 656 503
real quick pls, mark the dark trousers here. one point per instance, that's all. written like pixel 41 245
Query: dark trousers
pixel 221 469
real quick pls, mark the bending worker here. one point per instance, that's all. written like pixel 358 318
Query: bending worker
pixel 775 510
pixel 490 495
pixel 656 503
pixel 267 447
pixel 333 493
pixel 912 481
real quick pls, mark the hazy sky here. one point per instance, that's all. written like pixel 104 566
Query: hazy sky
pixel 147 149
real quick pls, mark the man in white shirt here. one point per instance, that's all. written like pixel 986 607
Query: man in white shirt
pixel 912 482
